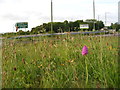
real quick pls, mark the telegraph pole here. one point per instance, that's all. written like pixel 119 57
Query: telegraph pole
pixel 93 9
pixel 51 16
pixel 105 18
pixel 93 14
pixel 98 22
pixel 106 13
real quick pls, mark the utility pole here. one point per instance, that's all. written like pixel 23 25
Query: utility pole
pixel 98 17
pixel 105 18
pixel 51 16
pixel 106 13
pixel 93 9
pixel 93 14
pixel 98 22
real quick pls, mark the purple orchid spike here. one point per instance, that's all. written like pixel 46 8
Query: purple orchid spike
pixel 84 50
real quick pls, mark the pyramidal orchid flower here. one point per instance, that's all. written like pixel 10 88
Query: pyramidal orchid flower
pixel 84 50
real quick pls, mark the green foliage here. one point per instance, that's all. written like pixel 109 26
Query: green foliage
pixel 59 27
pixel 98 24
pixel 8 34
pixel 63 27
pixel 56 62
pixel 67 26
pixel 115 26
pixel 21 32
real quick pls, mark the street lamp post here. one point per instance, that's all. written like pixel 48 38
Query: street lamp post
pixel 51 16
pixel 93 9
pixel 105 17
pixel 98 22
pixel 93 14
pixel 106 13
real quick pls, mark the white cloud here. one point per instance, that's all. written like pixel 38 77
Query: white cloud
pixel 36 12
pixel 15 17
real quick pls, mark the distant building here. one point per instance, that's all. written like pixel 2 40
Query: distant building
pixel 119 12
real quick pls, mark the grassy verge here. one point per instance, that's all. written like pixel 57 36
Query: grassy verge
pixel 56 62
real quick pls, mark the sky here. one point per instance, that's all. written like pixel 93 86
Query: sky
pixel 37 12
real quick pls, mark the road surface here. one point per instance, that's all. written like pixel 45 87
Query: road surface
pixel 24 36
pixel 72 33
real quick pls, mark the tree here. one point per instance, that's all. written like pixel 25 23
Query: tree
pixel 71 27
pixel 66 24
pixel 20 32
pixel 98 24
pixel 34 31
pixel 115 26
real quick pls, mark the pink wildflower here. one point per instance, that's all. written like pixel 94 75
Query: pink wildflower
pixel 84 50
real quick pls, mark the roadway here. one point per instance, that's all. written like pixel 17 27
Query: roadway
pixel 73 33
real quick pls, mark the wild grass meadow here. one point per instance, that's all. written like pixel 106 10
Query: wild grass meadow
pixel 57 62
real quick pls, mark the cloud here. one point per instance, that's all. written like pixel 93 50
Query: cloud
pixel 36 12
pixel 15 17
pixel 1 1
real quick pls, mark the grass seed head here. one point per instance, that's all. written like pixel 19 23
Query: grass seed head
pixel 23 60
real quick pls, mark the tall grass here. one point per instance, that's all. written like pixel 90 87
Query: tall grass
pixel 0 64
pixel 57 62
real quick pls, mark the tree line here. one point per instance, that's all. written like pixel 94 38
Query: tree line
pixel 66 26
